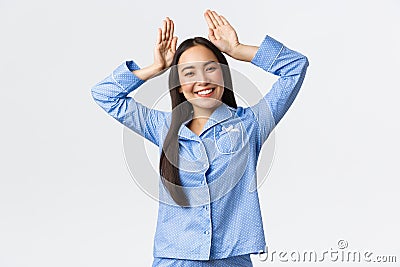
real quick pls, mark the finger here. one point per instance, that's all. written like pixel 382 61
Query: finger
pixel 208 20
pixel 164 29
pixel 211 35
pixel 210 23
pixel 171 31
pixel 159 36
pixel 169 41
pixel 173 43
pixel 214 20
pixel 217 18
pixel 224 21
pixel 167 28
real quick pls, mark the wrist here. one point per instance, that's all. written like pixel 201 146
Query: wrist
pixel 148 72
pixel 244 52
pixel 235 50
pixel 155 68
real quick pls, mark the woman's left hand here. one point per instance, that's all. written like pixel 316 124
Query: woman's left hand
pixel 221 33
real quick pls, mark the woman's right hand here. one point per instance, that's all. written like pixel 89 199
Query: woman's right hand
pixel 165 48
pixel 164 52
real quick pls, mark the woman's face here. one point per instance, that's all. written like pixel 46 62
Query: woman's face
pixel 200 76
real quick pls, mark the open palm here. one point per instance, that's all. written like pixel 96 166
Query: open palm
pixel 165 48
pixel 221 33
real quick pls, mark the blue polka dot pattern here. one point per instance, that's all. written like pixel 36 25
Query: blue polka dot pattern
pixel 235 261
pixel 217 167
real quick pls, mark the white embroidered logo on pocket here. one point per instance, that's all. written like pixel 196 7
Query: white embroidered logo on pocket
pixel 230 139
pixel 230 128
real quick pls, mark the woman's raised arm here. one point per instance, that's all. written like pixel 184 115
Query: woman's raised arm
pixel 271 56
pixel 290 66
pixel 164 51
pixel 111 94
pixel 224 36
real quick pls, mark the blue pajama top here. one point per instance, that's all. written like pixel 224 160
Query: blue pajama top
pixel 217 167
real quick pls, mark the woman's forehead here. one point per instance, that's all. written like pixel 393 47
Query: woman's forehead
pixel 197 53
pixel 197 64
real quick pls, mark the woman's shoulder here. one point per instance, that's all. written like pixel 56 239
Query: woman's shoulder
pixel 242 112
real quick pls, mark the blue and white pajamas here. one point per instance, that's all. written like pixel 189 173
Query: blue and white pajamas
pixel 223 226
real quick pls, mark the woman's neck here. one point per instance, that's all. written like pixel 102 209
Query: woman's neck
pixel 197 125
pixel 203 114
pixel 199 119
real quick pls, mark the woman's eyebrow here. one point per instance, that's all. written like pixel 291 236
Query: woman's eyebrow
pixel 192 67
pixel 208 62
pixel 188 67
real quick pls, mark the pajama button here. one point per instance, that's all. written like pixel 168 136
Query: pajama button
pixel 206 232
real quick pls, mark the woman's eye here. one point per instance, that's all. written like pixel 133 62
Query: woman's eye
pixel 212 68
pixel 189 74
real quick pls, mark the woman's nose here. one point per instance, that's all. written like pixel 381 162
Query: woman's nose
pixel 201 78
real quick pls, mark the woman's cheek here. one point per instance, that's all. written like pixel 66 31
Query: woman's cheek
pixel 216 78
pixel 187 88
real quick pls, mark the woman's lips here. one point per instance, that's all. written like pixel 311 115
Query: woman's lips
pixel 201 92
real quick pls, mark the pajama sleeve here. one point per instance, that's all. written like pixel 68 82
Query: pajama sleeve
pixel 111 94
pixel 273 57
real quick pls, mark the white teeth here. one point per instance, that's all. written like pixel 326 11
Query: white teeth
pixel 205 92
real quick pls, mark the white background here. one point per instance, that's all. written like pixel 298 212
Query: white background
pixel 66 195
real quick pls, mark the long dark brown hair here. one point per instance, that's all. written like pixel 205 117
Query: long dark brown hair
pixel 181 112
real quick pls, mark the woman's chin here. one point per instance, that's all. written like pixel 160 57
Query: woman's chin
pixel 205 103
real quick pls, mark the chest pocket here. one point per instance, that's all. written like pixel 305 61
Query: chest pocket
pixel 229 137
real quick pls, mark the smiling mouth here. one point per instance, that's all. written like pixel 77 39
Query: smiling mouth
pixel 205 92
